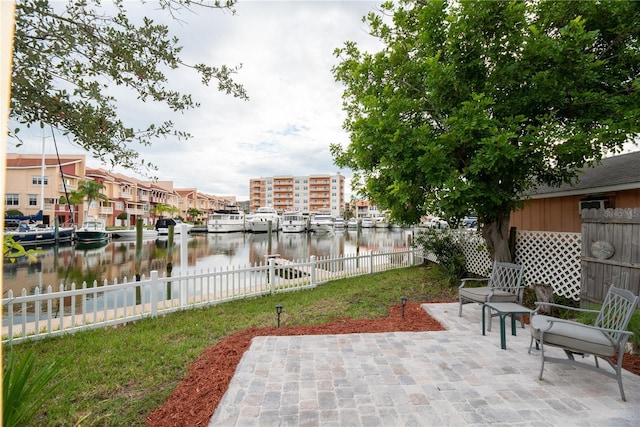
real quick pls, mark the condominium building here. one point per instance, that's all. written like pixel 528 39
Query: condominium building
pixel 312 193
pixel 35 183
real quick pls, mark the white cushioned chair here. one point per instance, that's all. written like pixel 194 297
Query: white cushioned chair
pixel 604 339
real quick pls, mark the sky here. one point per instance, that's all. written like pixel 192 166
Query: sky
pixel 294 110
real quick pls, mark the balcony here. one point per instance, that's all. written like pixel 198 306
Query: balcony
pixel 70 187
pixel 135 211
pixel 106 210
pixel 124 195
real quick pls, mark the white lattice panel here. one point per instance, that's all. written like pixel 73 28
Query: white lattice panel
pixel 551 258
pixel 548 257
pixel 476 254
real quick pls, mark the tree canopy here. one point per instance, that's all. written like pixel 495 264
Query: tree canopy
pixel 471 104
pixel 69 58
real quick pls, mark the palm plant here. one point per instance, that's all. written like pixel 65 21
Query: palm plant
pixel 25 388
pixel 88 190
pixel 160 208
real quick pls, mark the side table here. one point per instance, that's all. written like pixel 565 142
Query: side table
pixel 504 309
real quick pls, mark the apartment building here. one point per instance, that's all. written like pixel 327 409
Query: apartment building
pixel 365 208
pixel 34 183
pixel 312 193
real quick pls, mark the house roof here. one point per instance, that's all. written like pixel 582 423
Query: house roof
pixel 611 174
pixel 28 161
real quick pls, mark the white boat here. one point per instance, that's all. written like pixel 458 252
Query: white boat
pixel 367 222
pixel 293 222
pixel 352 224
pixel 162 226
pixel 229 220
pixel 339 223
pixel 261 219
pixel 247 222
pixel 131 234
pixel 381 221
pixel 321 223
pixel 93 230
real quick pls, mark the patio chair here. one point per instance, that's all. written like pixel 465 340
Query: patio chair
pixel 606 338
pixel 504 284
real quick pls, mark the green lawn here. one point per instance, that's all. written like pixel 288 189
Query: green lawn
pixel 117 376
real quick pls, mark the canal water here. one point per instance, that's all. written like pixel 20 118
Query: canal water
pixel 69 264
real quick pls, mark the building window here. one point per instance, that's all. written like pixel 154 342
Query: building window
pixel 33 200
pixel 12 199
pixel 37 180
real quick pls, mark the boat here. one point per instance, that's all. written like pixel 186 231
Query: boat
pixel 40 234
pixel 381 221
pixel 93 230
pixel 339 223
pixel 352 224
pixel 367 222
pixel 228 220
pixel 261 219
pixel 131 234
pixel 247 222
pixel 162 226
pixel 321 223
pixel 294 222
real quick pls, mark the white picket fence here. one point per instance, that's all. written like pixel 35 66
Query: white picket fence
pixel 551 258
pixel 72 309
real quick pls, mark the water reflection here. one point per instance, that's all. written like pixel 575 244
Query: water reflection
pixel 116 260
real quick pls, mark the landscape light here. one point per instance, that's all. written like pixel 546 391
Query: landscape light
pixel 278 311
pixel 404 303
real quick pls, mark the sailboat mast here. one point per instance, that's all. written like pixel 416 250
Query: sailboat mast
pixel 42 177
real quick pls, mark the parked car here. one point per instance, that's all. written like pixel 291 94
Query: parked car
pixel 436 222
pixel 470 223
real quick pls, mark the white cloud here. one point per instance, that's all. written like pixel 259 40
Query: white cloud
pixel 295 107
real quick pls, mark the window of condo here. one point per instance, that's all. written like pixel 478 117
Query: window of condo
pixel 12 199
pixel 37 180
pixel 33 200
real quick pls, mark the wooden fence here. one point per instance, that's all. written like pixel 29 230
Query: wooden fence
pixel 610 251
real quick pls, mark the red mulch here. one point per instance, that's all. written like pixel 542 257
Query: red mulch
pixel 195 399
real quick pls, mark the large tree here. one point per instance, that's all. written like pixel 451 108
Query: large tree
pixel 70 56
pixel 470 104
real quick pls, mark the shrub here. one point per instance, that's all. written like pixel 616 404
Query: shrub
pixel 447 249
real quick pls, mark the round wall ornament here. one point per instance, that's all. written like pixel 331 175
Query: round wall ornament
pixel 602 249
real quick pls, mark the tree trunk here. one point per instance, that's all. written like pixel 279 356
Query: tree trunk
pixel 495 232
pixel 544 293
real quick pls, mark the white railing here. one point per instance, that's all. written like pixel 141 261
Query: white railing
pixel 68 310
pixel 552 258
